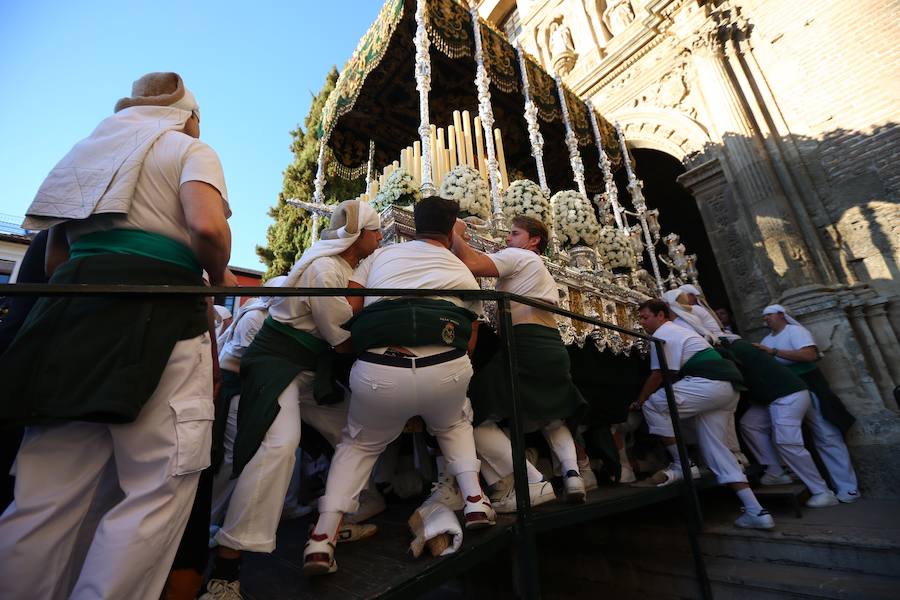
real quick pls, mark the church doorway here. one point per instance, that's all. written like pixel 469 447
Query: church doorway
pixel 678 213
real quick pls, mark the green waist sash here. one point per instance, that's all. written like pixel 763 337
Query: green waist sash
pixel 134 242
pixel 411 322
pixel 709 364
pixel 766 379
pixel 277 355
pixel 546 389
pixel 97 358
pixel 801 368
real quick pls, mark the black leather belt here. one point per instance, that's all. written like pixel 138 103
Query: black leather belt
pixel 411 362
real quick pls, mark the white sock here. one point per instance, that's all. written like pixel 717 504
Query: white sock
pixel 748 499
pixel 468 484
pixel 328 523
pixel 563 445
pixel 534 476
pixel 673 452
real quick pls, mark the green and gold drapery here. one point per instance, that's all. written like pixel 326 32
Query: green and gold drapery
pixel 579 118
pixel 449 26
pixel 542 88
pixel 500 60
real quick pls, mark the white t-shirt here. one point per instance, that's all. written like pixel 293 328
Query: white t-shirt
pixel 321 316
pixel 417 265
pixel 707 319
pixel 792 337
pixel 174 159
pixel 244 331
pixel 681 344
pixel 523 272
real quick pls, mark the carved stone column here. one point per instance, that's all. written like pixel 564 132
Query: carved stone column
pixel 888 345
pixel 776 237
pixel 746 287
pixel 874 439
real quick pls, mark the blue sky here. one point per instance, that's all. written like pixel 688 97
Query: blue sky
pixel 251 65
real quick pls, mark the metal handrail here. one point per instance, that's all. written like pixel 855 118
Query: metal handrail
pixel 525 546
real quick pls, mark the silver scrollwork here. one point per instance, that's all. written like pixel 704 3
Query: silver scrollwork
pixel 486 113
pixel 423 84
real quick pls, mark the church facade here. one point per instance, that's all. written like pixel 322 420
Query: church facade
pixel 783 122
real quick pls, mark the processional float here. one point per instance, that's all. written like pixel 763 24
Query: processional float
pixel 436 100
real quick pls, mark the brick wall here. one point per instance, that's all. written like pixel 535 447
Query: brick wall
pixel 834 67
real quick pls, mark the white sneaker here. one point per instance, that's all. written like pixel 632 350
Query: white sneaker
pixel 540 493
pixel 748 520
pixel 783 479
pixel 822 500
pixel 671 474
pixel 371 503
pixel 318 556
pixel 574 487
pixel 848 497
pixel 219 589
pixel 478 512
pixel 445 491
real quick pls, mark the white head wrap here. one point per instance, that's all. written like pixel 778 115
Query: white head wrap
pixel 684 312
pixel 690 289
pixel 349 218
pixel 706 313
pixel 777 308
pixel 188 103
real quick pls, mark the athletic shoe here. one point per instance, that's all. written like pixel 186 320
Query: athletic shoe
pixel 748 520
pixel 353 532
pixel 540 493
pixel 478 512
pixel 219 589
pixel 445 491
pixel 783 479
pixel 848 497
pixel 318 555
pixel 371 503
pixel 671 474
pixel 573 484
pixel 822 500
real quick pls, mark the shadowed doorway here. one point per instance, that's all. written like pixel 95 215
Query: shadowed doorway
pixel 678 213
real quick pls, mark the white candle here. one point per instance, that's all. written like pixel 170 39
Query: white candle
pixel 467 135
pixel 451 146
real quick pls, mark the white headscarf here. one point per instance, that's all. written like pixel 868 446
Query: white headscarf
pixel 684 312
pixel 349 218
pixel 705 312
pixel 777 308
pixel 690 289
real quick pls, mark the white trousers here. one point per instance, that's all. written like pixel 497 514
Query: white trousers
pixel 223 484
pixel 384 399
pixel 710 404
pixel 779 425
pixel 831 448
pixel 60 472
pixel 258 497
pixel 495 451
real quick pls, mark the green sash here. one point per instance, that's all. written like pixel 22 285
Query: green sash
pixel 231 387
pixel 546 389
pixel 272 361
pixel 411 322
pixel 97 359
pixel 766 378
pixel 134 242
pixel 801 368
pixel 709 364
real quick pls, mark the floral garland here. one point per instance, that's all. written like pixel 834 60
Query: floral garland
pixel 574 220
pixel 465 185
pixel 399 189
pixel 615 250
pixel 524 198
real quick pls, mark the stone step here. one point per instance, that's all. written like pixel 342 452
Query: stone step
pixel 656 576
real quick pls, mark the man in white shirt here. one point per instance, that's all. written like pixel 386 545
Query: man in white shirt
pixel 281 378
pixel 793 346
pixel 704 392
pixel 547 393
pixel 124 384
pixel 411 360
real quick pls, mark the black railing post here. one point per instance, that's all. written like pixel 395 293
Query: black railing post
pixel 689 491
pixel 526 545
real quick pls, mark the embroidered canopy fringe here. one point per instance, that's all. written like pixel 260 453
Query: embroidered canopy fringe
pixel 449 26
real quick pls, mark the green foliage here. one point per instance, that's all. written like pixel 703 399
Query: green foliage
pixel 290 234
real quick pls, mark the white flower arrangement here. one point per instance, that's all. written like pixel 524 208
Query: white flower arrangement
pixel 465 185
pixel 615 249
pixel 574 220
pixel 524 198
pixel 399 189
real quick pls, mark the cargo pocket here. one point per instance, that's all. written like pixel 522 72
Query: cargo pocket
pixel 786 428
pixel 193 432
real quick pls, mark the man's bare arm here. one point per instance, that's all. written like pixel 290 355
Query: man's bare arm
pixel 356 302
pixel 478 263
pixel 57 249
pixel 210 234
pixel 805 354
